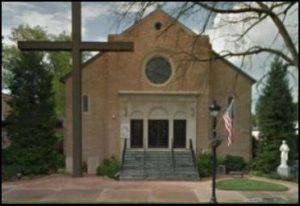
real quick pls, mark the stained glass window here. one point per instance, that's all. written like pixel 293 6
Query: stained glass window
pixel 158 70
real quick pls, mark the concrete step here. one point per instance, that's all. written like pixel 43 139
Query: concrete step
pixel 158 165
pixel 177 178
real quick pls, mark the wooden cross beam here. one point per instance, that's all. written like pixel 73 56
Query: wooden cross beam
pixel 67 46
pixel 76 46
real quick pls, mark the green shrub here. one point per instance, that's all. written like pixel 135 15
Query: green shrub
pixel 204 163
pixel 266 159
pixel 84 167
pixel 220 161
pixel 109 168
pixel 272 175
pixel 60 161
pixel 234 163
pixel 9 172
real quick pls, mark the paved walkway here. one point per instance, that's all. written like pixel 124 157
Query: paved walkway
pixel 90 189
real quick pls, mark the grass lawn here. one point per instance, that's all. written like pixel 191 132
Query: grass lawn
pixel 249 185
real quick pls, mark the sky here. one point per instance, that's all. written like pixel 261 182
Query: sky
pixel 99 19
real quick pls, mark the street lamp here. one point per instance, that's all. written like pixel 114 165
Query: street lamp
pixel 214 109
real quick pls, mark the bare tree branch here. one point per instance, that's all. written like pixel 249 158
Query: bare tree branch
pixel 264 9
pixel 258 14
pixel 258 49
pixel 251 27
pixel 184 8
pixel 207 20
pixel 281 4
pixel 233 11
pixel 284 34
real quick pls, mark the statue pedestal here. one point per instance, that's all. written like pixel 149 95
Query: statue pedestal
pixel 283 171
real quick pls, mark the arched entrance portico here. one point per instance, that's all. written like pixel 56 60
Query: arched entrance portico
pixel 155 120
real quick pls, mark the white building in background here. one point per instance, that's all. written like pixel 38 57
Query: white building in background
pixel 255 133
pixel 296 127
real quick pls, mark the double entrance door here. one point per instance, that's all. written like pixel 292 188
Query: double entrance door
pixel 158 133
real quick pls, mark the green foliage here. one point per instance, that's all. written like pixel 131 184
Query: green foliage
pixel 25 32
pixel 10 54
pixel 234 163
pixel 254 120
pixel 84 167
pixel 249 185
pixel 220 160
pixel 60 63
pixel 273 175
pixel 254 143
pixel 275 114
pixel 60 161
pixel 204 163
pixel 268 159
pixel 33 119
pixel 9 169
pixel 9 172
pixel 109 168
pixel 296 114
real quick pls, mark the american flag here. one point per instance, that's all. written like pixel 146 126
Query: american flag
pixel 229 124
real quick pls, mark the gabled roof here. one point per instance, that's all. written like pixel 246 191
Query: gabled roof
pixel 189 31
pixel 234 67
pixel 84 65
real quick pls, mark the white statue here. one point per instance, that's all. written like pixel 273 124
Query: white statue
pixel 284 149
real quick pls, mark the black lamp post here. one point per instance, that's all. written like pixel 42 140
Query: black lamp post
pixel 214 109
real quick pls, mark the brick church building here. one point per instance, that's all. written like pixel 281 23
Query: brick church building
pixel 158 96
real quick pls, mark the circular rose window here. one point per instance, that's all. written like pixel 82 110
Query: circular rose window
pixel 158 70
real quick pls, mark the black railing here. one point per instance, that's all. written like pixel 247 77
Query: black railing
pixel 193 153
pixel 123 153
pixel 144 163
pixel 172 154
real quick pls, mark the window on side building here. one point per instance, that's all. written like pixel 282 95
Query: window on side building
pixel 85 103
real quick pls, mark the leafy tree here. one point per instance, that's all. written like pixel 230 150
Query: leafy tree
pixel 33 148
pixel 59 63
pixel 275 113
pixel 33 79
pixel 11 53
pixel 29 78
pixel 254 120
pixel 296 117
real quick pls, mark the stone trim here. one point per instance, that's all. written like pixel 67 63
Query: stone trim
pixel 133 92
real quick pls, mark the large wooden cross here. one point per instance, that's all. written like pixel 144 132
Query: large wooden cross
pixel 76 46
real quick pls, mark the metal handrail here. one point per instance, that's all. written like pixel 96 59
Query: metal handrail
pixel 172 153
pixel 193 153
pixel 123 153
pixel 144 163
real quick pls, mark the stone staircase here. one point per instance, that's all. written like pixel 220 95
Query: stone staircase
pixel 158 165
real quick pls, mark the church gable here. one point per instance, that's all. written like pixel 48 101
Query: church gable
pixel 161 32
pixel 156 94
pixel 155 42
pixel 164 21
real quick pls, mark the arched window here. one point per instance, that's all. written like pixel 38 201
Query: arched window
pixel 158 70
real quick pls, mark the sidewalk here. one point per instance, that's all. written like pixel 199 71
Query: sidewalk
pixel 91 189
